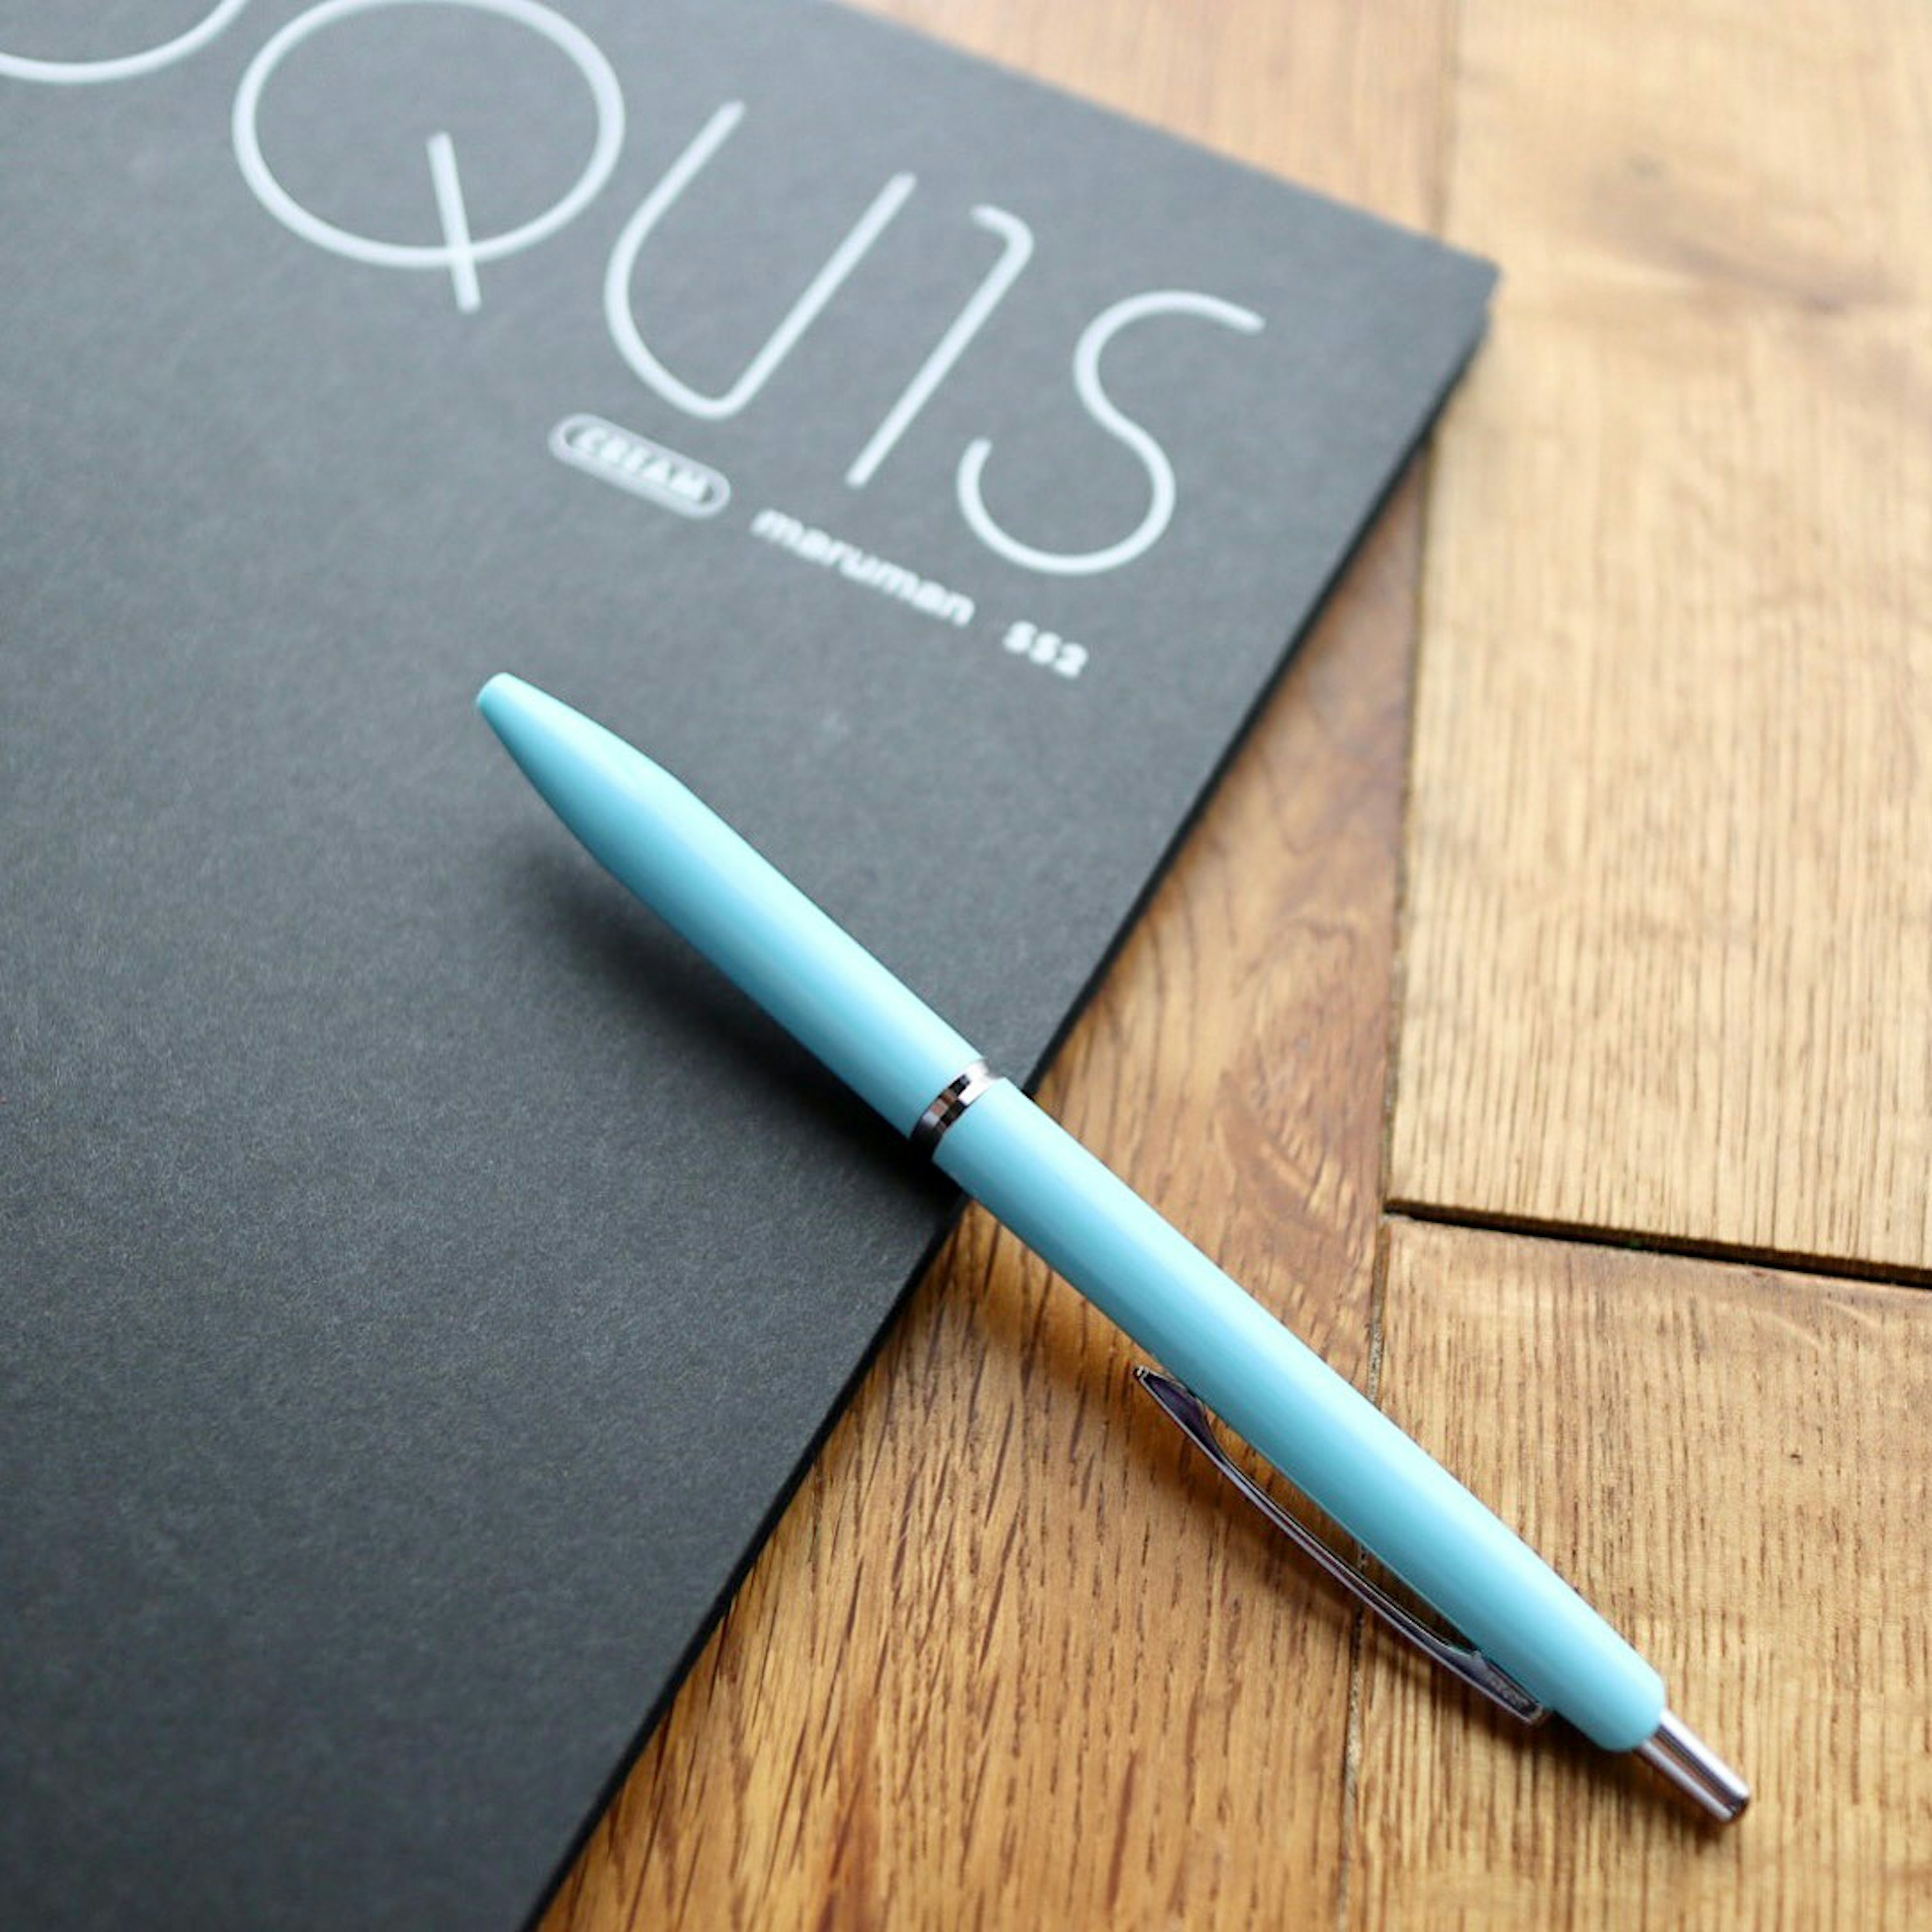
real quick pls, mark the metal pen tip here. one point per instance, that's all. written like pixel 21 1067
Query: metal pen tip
pixel 1697 1771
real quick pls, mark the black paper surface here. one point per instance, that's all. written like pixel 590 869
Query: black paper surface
pixel 421 1279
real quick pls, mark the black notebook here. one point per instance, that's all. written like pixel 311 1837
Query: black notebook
pixel 424 1279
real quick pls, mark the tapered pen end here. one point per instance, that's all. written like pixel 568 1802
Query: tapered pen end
pixel 594 782
pixel 1697 1771
pixel 510 707
pixel 555 746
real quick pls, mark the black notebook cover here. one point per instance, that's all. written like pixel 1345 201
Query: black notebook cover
pixel 423 1280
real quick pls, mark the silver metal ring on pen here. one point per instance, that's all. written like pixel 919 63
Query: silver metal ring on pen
pixel 949 1104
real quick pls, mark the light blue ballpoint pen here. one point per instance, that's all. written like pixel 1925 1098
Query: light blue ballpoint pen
pixel 1530 1643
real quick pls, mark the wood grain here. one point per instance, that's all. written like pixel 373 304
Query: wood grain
pixel 1733 1464
pixel 1008 1658
pixel 1668 959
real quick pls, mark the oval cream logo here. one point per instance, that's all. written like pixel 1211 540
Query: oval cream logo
pixel 636 463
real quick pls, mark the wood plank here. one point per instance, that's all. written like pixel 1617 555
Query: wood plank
pixel 1668 957
pixel 1009 1657
pixel 1733 1465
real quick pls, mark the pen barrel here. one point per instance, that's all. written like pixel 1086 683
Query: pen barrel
pixel 743 913
pixel 1315 1427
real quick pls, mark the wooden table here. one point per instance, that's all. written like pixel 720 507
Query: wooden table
pixel 1541 1020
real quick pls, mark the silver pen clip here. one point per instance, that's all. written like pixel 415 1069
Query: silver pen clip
pixel 1188 1414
